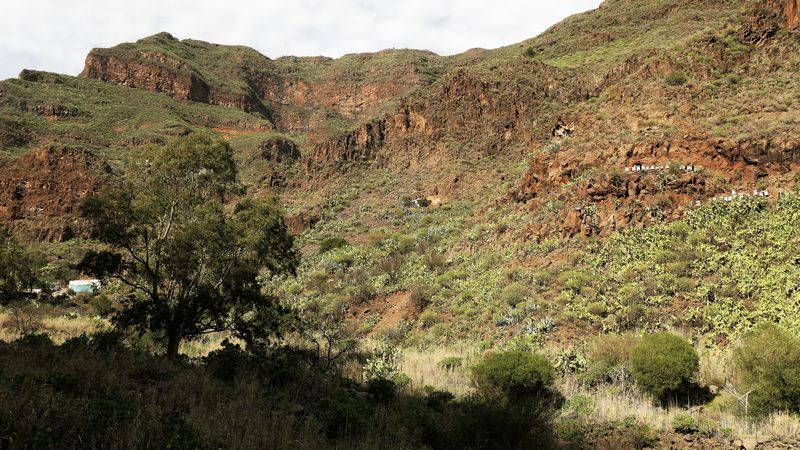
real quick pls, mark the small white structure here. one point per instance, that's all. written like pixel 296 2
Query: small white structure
pixel 84 286
pixel 657 167
pixel 734 195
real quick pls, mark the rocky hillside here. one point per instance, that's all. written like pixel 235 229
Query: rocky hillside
pixel 41 193
pixel 647 83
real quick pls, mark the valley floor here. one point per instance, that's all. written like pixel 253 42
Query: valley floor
pixel 81 373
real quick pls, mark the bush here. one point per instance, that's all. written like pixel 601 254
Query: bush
pixel 420 297
pixel 101 305
pixel 676 78
pixel 406 243
pixel 392 266
pixel 513 294
pixel 608 358
pixel 768 362
pixel 434 260
pixel 513 376
pixel 382 390
pixel 451 363
pixel 684 423
pixel 383 364
pixel 332 243
pixel 530 52
pixel 664 364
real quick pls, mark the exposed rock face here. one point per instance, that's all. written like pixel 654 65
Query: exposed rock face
pixel 789 10
pixel 279 151
pixel 154 72
pixel 298 102
pixel 464 107
pixel 41 193
pixel 159 72
pixel 280 155
pixel 244 79
pixel 599 197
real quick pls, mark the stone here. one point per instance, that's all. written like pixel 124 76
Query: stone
pixel 749 442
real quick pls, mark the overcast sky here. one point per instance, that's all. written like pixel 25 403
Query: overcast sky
pixel 56 35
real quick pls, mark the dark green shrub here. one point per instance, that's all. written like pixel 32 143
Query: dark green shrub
pixel 490 425
pixel 768 362
pixel 676 78
pixel 664 364
pixel 332 243
pixel 225 362
pixel 582 405
pixel 597 308
pixel 451 362
pixel 437 399
pixel 684 423
pixel 101 305
pixel 382 390
pixel 530 52
pixel 513 375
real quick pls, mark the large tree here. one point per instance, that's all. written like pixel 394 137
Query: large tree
pixel 18 269
pixel 191 247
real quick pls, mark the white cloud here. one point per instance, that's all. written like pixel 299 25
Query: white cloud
pixel 56 35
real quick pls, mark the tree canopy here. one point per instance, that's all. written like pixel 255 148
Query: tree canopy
pixel 18 269
pixel 191 248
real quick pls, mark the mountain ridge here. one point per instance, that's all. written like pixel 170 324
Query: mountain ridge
pixel 411 111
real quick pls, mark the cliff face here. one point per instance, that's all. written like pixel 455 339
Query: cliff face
pixel 154 72
pixel 686 82
pixel 485 114
pixel 600 191
pixel 788 10
pixel 157 72
pixel 291 92
pixel 41 193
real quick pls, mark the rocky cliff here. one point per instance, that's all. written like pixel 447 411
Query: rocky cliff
pixel 290 91
pixel 788 10
pixel 41 193
pixel 700 83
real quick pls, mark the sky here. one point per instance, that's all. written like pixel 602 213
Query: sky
pixel 56 35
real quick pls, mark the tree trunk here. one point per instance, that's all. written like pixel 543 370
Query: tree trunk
pixel 173 342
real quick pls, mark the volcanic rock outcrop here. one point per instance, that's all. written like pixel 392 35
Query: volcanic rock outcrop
pixel 41 193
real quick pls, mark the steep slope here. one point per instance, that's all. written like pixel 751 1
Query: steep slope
pixel 720 97
pixel 297 94
pixel 650 82
pixel 42 192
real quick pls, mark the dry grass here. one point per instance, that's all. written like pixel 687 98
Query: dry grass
pixel 615 403
pixel 206 344
pixel 60 327
pixel 424 369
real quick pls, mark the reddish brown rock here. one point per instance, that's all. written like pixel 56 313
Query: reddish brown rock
pixel 41 193
pixel 153 72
